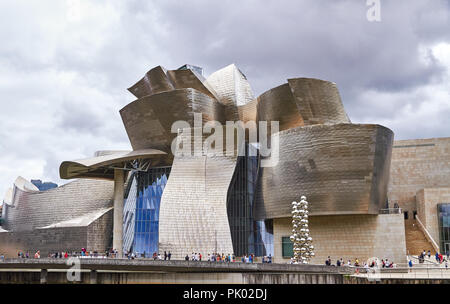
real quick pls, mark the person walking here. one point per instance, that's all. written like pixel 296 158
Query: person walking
pixel 169 255
pixel 165 255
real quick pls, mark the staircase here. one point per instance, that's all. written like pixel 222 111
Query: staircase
pixel 416 241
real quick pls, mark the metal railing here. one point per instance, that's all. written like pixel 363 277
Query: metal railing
pixel 426 262
pixel 404 272
pixel 427 234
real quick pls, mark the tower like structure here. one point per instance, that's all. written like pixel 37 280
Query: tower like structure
pixel 303 248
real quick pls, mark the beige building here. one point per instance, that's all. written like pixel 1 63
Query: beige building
pixel 420 185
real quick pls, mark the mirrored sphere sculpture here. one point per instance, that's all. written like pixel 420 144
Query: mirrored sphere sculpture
pixel 303 248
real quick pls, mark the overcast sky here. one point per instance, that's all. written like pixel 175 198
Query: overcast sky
pixel 65 65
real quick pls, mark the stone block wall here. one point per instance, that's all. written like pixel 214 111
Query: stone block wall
pixel 95 237
pixel 349 237
pixel 416 165
pixel 45 240
pixel 100 233
pixel 427 201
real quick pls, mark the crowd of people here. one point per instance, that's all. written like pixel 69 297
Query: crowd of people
pixel 385 263
pixel 227 258
pixel 156 256
pixel 83 253
pixel 439 257
pixel 214 257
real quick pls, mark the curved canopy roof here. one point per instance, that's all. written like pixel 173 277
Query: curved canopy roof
pixel 102 167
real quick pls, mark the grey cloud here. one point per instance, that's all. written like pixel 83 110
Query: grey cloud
pixel 270 41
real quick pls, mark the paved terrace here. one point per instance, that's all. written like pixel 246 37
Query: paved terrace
pixel 170 266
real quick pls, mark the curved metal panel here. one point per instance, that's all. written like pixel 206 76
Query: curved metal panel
pixel 155 81
pixel 278 104
pixel 148 120
pixel 193 213
pixel 318 101
pixel 249 111
pixel 232 88
pixel 185 79
pixel 101 166
pixel 31 209
pixel 342 169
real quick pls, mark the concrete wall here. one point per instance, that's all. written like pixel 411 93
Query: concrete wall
pixel 427 201
pixel 418 164
pixel 349 237
pixel 60 277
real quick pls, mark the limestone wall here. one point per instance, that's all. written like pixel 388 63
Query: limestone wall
pixel 350 237
pixel 427 201
pixel 94 237
pixel 415 165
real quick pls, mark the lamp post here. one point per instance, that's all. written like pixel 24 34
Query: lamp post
pixel 303 248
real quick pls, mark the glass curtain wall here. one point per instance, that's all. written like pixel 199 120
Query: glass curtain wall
pixel 141 210
pixel 444 227
pixel 248 236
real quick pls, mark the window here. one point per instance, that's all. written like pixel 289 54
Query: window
pixel 443 211
pixel 287 247
pixel 141 209
pixel 249 236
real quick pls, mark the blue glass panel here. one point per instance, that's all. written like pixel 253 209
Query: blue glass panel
pixel 148 199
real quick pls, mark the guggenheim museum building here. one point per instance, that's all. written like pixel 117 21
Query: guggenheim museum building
pixel 155 199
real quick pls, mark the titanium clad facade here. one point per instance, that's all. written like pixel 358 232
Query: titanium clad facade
pixel 67 218
pixel 232 90
pixel 341 169
pixel 318 101
pixel 187 79
pixel 193 214
pixel 148 121
pixel 31 210
pixel 154 82
pixel 278 104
